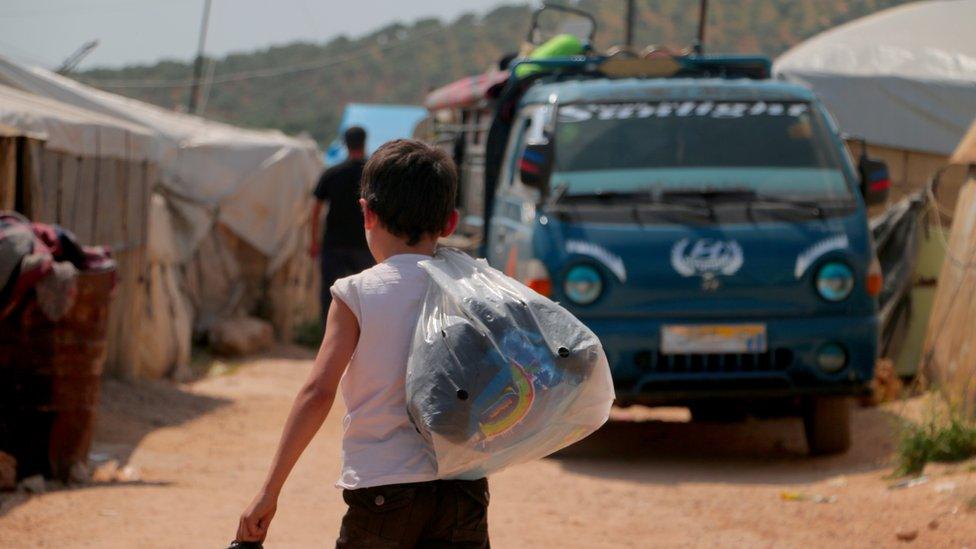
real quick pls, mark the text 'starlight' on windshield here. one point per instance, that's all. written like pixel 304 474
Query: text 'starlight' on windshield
pixel 773 148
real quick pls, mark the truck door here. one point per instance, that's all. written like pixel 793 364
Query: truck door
pixel 510 227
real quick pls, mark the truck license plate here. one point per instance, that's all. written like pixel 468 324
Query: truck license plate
pixel 713 339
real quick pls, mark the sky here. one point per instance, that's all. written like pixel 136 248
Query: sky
pixel 45 32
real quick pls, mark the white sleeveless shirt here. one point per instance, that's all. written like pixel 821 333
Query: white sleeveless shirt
pixel 379 443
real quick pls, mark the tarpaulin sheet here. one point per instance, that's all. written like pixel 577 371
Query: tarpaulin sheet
pixel 949 358
pixel 896 240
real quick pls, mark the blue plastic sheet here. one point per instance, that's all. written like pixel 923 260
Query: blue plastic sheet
pixel 382 123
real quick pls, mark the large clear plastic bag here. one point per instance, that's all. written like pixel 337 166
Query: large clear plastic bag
pixel 499 374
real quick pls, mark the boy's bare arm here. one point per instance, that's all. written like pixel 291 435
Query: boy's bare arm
pixel 310 409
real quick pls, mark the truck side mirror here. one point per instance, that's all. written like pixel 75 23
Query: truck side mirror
pixel 535 165
pixel 875 180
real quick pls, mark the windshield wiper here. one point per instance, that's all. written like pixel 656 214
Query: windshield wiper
pixel 609 195
pixel 745 195
pixel 784 201
pixel 708 194
pixel 643 197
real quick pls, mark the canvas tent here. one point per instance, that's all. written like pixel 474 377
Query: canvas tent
pixel 256 179
pixel 92 174
pixel 234 201
pixel 965 153
pixel 904 79
pixel 949 359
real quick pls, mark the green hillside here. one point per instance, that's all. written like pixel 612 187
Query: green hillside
pixel 302 87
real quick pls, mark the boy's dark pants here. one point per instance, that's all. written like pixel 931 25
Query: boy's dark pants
pixel 440 513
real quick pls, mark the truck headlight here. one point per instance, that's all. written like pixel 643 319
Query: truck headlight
pixel 835 281
pixel 583 284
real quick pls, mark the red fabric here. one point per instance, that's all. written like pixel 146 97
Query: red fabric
pixel 51 244
pixel 46 237
pixel 31 268
pixel 528 166
pixel 465 92
pixel 883 184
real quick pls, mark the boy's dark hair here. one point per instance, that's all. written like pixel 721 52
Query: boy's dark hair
pixel 411 186
pixel 355 138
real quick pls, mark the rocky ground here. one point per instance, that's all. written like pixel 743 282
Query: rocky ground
pixel 190 456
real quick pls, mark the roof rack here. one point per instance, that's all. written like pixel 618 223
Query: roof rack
pixel 755 67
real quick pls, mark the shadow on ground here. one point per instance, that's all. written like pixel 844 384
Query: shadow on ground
pixel 755 451
pixel 129 410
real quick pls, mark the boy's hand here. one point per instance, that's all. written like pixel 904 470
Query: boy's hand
pixel 311 407
pixel 256 519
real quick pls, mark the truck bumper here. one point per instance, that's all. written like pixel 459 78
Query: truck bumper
pixel 643 375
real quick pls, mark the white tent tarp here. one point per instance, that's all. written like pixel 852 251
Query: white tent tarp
pixel 903 77
pixel 257 182
pixel 167 324
pixel 72 130
pixel 949 359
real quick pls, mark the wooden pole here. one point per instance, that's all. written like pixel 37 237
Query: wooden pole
pixel 198 63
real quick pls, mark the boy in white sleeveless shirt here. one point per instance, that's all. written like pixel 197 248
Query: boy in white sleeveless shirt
pixel 390 483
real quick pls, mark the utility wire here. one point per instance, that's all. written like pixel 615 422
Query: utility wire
pixel 270 71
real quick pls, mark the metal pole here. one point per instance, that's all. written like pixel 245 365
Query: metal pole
pixel 629 35
pixel 702 22
pixel 75 58
pixel 198 63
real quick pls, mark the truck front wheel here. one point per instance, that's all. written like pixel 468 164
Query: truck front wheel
pixel 827 423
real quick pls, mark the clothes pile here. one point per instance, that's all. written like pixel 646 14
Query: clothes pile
pixel 499 374
pixel 44 260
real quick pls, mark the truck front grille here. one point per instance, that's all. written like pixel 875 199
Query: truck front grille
pixel 774 360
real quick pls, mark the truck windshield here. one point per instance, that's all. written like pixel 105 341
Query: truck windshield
pixel 779 149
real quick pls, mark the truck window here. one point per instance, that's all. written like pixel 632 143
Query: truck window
pixel 528 123
pixel 780 148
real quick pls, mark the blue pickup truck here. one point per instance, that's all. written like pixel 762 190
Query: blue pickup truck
pixel 705 221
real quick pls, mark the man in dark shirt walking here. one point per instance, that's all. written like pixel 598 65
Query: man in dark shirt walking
pixel 342 250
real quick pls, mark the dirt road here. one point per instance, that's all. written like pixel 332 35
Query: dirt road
pixel 200 451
